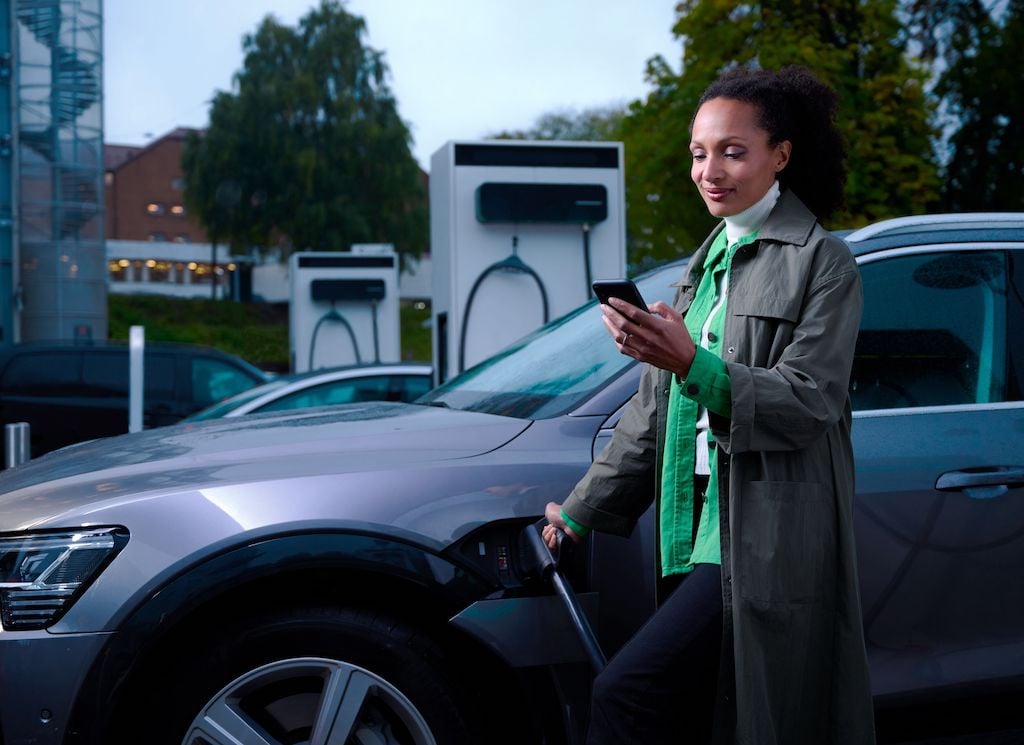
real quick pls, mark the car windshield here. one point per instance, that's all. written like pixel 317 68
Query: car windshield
pixel 554 369
pixel 229 404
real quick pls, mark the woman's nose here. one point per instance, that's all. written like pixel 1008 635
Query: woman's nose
pixel 712 168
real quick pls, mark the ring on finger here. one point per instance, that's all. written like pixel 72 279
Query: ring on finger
pixel 625 339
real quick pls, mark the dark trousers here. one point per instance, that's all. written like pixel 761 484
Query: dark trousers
pixel 660 687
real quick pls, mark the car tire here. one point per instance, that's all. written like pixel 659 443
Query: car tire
pixel 278 676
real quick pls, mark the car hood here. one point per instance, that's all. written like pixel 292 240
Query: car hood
pixel 255 448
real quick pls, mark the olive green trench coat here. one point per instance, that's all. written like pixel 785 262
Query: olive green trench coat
pixel 796 663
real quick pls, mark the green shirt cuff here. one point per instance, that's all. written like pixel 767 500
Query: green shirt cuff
pixel 580 530
pixel 708 384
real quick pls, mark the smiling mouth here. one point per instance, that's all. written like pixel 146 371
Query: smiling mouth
pixel 717 194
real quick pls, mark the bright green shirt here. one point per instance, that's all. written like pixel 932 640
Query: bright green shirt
pixel 707 385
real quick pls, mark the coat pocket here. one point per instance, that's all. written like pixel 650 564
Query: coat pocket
pixel 787 545
pixel 765 306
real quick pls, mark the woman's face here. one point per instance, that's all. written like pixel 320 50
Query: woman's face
pixel 733 164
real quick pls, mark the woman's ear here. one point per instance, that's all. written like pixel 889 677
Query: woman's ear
pixel 782 151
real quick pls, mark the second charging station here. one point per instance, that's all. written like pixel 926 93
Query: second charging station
pixel 344 309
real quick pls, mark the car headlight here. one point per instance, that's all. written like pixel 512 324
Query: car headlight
pixel 41 574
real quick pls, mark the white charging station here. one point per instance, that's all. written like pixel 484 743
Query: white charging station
pixel 344 309
pixel 518 231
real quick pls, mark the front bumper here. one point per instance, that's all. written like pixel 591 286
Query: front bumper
pixel 40 677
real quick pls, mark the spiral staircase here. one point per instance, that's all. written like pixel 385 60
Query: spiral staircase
pixel 74 87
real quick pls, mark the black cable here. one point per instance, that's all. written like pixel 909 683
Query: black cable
pixel 512 264
pixel 334 315
pixel 376 338
pixel 586 260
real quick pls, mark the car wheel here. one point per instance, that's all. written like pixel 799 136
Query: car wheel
pixel 317 676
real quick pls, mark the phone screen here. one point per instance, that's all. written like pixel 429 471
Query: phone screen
pixel 624 289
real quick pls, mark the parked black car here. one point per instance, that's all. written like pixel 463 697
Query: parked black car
pixel 72 392
pixel 354 574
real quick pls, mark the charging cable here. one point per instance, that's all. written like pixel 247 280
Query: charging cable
pixel 513 265
pixel 334 315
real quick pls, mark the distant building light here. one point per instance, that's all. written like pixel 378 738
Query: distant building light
pixel 178 209
pixel 155 208
pixel 151 263
pixel 231 267
pixel 193 265
pixel 124 263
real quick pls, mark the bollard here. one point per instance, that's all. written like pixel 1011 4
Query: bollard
pixel 16 444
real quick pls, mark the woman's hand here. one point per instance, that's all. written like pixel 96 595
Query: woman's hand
pixel 659 338
pixel 553 513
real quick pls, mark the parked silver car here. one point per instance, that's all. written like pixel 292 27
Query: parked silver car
pixel 404 381
pixel 355 575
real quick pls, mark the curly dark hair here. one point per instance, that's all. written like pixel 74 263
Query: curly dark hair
pixel 794 105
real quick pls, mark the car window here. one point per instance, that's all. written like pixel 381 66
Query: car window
pixel 412 387
pixel 159 374
pixel 352 390
pixel 213 380
pixel 221 408
pixel 106 374
pixel 552 370
pixel 934 331
pixel 43 374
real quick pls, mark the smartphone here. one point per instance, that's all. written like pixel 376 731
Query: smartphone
pixel 623 289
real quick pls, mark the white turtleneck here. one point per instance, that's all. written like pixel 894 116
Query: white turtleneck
pixel 752 218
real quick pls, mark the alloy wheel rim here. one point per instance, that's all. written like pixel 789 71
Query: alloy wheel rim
pixel 309 701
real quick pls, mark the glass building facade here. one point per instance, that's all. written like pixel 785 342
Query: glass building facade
pixel 58 282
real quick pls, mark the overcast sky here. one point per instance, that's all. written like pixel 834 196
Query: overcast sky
pixel 460 69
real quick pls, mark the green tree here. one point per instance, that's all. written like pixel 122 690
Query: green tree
pixel 308 150
pixel 856 47
pixel 981 93
pixel 598 124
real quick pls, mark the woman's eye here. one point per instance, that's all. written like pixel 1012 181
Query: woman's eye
pixel 733 153
pixel 698 156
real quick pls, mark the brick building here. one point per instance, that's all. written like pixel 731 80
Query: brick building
pixel 153 244
pixel 145 192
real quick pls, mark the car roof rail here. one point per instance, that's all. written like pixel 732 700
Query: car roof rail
pixel 945 220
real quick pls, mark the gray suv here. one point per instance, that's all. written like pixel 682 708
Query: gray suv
pixel 356 575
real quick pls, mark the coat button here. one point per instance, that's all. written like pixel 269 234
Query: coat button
pixel 732 350
pixel 693 389
pixel 712 337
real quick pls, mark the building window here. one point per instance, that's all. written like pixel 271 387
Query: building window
pixel 159 271
pixel 178 210
pixel 156 208
pixel 179 273
pixel 157 237
pixel 137 270
pixel 181 238
pixel 178 184
pixel 205 273
pixel 118 270
pixel 108 178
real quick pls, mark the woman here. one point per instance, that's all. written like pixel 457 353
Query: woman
pixel 741 431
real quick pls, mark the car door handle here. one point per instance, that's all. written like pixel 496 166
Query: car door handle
pixel 983 482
